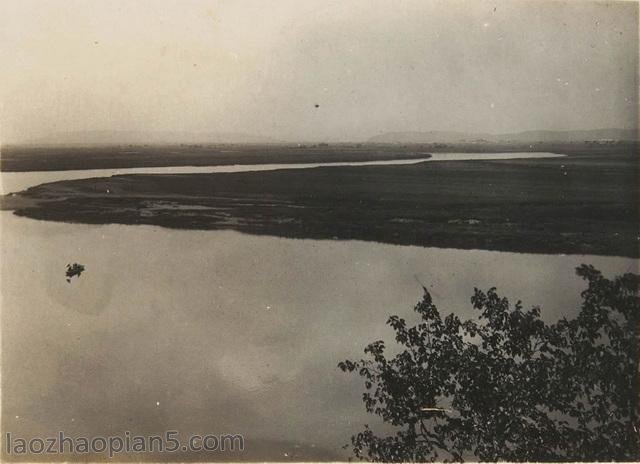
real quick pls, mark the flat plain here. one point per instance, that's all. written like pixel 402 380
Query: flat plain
pixel 583 203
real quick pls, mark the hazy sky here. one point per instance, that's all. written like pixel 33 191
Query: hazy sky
pixel 262 66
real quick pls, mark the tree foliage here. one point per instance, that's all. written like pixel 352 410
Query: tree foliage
pixel 506 385
pixel 74 270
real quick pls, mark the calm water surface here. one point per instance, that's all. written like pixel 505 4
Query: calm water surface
pixel 17 181
pixel 221 332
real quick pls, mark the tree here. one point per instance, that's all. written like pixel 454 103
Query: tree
pixel 74 270
pixel 506 385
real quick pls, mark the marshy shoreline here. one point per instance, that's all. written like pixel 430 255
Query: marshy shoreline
pixel 583 203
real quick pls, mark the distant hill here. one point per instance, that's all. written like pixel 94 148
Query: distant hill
pixel 148 137
pixel 177 137
pixel 519 137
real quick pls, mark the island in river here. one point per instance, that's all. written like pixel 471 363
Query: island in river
pixel 584 203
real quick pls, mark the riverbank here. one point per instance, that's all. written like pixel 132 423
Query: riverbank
pixel 581 204
pixel 57 158
pixel 30 158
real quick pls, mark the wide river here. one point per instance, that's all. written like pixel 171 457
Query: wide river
pixel 214 332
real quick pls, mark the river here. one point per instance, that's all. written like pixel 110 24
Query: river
pixel 17 181
pixel 221 332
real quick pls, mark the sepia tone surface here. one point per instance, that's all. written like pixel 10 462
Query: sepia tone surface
pixel 208 205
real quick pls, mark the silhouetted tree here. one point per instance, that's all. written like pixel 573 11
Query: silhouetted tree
pixel 507 385
pixel 73 270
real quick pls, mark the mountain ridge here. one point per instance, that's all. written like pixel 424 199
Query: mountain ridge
pixel 108 137
pixel 517 137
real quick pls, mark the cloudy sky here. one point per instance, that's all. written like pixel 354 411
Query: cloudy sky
pixel 261 67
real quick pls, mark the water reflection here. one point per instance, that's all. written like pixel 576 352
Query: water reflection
pixel 220 332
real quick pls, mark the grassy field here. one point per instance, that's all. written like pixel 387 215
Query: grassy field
pixel 60 158
pixel 31 158
pixel 585 203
